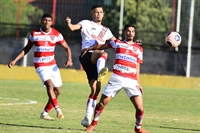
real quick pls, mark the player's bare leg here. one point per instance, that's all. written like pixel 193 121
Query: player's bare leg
pixel 53 98
pixel 49 106
pixel 57 93
pixel 139 115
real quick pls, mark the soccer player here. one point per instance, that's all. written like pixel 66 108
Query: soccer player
pixel 93 62
pixel 45 39
pixel 126 70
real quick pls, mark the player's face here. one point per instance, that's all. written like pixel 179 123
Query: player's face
pixel 129 34
pixel 46 23
pixel 97 14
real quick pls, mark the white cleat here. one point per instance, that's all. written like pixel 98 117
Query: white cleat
pixel 46 117
pixel 85 122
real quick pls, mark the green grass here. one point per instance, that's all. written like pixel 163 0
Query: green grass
pixel 167 110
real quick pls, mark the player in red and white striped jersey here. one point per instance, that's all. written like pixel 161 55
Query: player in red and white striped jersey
pixel 44 41
pixel 93 62
pixel 126 70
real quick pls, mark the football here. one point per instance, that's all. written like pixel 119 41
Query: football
pixel 173 39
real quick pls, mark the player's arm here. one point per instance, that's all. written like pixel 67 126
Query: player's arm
pixel 72 27
pixel 96 47
pixel 112 39
pixel 24 51
pixel 69 54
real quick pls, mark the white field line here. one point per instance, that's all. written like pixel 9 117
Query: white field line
pixel 16 103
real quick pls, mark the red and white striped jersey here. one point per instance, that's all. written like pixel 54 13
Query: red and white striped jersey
pixel 44 46
pixel 127 56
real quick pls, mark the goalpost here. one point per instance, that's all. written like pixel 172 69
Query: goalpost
pixel 190 39
pixel 24 62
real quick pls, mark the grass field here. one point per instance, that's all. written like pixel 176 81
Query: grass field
pixel 167 110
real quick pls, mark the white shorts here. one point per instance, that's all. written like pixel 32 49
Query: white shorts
pixel 50 72
pixel 116 83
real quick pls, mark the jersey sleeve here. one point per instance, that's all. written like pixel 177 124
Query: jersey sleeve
pixel 60 38
pixel 109 34
pixel 83 24
pixel 112 44
pixel 31 39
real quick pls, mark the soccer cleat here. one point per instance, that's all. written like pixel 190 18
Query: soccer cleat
pixel 102 74
pixel 85 122
pixel 140 130
pixel 91 127
pixel 46 117
pixel 60 115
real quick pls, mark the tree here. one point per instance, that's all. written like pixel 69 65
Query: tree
pixel 146 15
pixel 28 14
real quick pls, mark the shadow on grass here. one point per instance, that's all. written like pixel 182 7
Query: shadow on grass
pixel 18 125
pixel 180 128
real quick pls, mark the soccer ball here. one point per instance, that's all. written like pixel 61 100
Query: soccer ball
pixel 173 39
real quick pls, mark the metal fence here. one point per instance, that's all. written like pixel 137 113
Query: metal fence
pixel 158 57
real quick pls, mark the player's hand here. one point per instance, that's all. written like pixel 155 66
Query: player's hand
pixel 12 63
pixel 68 63
pixel 84 51
pixel 139 42
pixel 68 20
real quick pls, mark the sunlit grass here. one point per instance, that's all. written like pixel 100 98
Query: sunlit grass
pixel 166 110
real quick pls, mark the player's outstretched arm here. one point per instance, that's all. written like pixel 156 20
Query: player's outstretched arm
pixel 69 54
pixel 24 51
pixel 96 47
pixel 71 26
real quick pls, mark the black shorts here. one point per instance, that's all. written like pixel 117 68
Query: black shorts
pixel 88 66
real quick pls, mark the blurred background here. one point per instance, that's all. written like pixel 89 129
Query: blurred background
pixel 153 20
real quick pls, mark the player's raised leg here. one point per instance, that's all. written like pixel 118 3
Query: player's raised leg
pixel 102 70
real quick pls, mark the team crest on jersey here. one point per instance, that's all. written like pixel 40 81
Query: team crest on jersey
pixel 52 38
pixel 136 50
pixel 46 44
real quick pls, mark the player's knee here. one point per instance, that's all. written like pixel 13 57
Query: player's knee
pixel 58 92
pixel 140 109
pixel 105 54
pixel 92 86
pixel 101 105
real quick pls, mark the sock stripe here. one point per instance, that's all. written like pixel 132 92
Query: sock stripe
pixel 104 57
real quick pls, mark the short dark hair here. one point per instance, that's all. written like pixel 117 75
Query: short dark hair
pixel 96 6
pixel 46 15
pixel 128 25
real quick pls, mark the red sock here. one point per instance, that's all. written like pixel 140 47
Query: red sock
pixel 91 96
pixel 97 113
pixel 103 57
pixel 139 117
pixel 48 107
pixel 55 103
